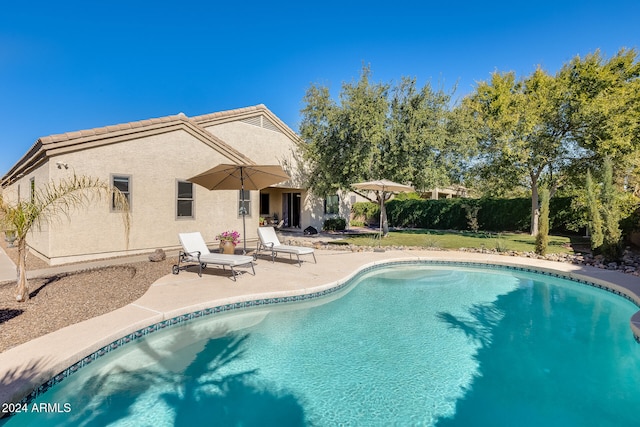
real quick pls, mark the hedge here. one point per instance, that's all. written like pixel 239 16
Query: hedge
pixel 450 214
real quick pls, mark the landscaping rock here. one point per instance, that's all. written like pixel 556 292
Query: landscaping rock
pixel 157 256
pixel 630 263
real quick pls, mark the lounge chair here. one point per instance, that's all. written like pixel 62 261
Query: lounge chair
pixel 268 240
pixel 195 250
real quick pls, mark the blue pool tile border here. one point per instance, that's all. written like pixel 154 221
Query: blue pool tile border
pixel 181 319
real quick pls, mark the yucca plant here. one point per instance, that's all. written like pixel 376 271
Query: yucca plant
pixel 48 203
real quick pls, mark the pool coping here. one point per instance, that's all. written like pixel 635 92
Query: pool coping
pixel 31 368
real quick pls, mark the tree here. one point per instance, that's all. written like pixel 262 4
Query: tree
pixel 46 204
pixel 605 214
pixel 521 143
pixel 595 220
pixel 603 111
pixel 342 142
pixel 377 131
pixel 602 105
pixel 611 245
pixel 542 238
pixel 549 130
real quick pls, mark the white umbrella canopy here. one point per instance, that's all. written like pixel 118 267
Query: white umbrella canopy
pixel 383 185
pixel 241 177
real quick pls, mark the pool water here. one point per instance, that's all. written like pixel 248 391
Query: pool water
pixel 404 345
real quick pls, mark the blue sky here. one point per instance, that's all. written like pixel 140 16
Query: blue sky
pixel 73 65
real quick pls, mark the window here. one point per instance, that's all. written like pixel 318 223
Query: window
pixel 332 204
pixel 122 183
pixel 184 202
pixel 244 203
pixel 32 187
pixel 264 204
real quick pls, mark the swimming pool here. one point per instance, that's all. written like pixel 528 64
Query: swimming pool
pixel 411 344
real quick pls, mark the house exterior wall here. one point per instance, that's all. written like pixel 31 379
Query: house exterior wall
pixel 155 154
pixel 21 190
pixel 263 146
pixel 267 146
pixel 154 164
pixel 313 209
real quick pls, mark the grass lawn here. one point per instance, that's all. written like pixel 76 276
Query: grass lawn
pixel 455 240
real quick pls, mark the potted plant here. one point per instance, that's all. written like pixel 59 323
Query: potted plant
pixel 228 241
pixel 263 221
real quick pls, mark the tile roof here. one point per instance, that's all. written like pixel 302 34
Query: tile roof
pixel 243 113
pixel 73 141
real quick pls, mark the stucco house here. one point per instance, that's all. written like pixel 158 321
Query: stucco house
pixel 150 161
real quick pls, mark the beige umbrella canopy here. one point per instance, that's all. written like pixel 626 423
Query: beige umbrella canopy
pixel 384 186
pixel 240 177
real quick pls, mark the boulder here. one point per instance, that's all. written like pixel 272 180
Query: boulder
pixel 158 255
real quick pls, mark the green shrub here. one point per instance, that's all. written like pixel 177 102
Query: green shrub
pixel 334 224
pixel 501 243
pixel 367 212
pixel 472 208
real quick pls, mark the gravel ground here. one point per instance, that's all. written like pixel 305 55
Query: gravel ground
pixel 65 299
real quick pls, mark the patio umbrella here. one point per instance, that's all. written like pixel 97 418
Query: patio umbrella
pixel 240 177
pixel 383 185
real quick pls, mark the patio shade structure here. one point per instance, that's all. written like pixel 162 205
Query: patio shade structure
pixel 384 186
pixel 241 177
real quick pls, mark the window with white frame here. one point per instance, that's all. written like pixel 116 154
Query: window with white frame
pixel 244 203
pixel 184 200
pixel 122 183
pixel 332 204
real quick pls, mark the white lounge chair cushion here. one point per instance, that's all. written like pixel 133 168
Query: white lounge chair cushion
pixel 270 240
pixel 300 250
pixel 192 243
pixel 225 259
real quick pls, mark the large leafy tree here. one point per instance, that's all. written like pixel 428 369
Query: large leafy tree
pixel 602 110
pixel 402 133
pixel 46 204
pixel 545 129
pixel 343 141
pixel 522 142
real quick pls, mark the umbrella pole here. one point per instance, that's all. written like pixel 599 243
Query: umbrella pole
pixel 244 213
pixel 381 204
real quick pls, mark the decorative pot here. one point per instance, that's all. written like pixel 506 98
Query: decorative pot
pixel 10 237
pixel 227 247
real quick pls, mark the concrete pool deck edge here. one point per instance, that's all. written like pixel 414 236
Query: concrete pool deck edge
pixel 27 366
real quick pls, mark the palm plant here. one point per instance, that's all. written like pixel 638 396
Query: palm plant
pixel 48 203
